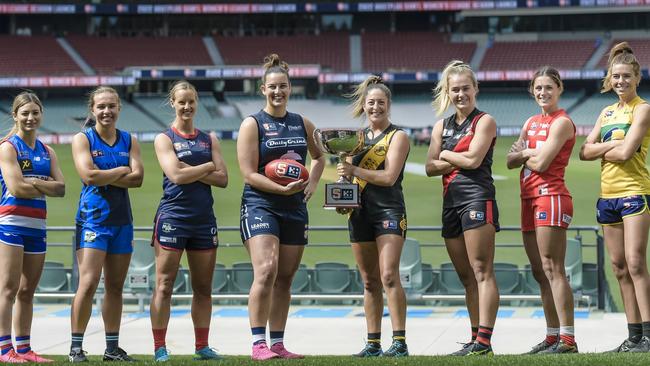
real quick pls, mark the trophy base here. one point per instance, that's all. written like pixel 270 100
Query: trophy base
pixel 342 195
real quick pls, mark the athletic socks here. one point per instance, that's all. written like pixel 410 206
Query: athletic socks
pixel 646 329
pixel 399 336
pixel 77 340
pixel 201 338
pixel 474 334
pixel 5 344
pixel 259 335
pixel 567 335
pixel 276 336
pixel 159 336
pixel 552 334
pixel 484 335
pixel 22 344
pixel 112 341
pixel 374 339
pixel 635 332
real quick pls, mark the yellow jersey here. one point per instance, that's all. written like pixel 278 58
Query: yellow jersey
pixel 630 177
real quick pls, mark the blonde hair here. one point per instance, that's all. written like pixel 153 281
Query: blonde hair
pixel 181 85
pixel 441 100
pixel 20 100
pixel 549 71
pixel 358 96
pixel 620 54
pixel 273 64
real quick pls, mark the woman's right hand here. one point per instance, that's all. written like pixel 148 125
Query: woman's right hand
pixel 295 187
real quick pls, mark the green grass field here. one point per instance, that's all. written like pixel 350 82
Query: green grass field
pixel 423 200
pixel 551 360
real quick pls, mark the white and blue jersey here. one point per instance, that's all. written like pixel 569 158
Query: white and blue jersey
pixel 106 205
pixel 266 213
pixel 185 218
pixel 25 216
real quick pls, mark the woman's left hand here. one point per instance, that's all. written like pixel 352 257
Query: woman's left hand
pixel 309 190
pixel 345 169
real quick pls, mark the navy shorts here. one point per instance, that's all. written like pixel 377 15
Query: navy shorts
pixel 179 235
pixel 364 228
pixel 290 226
pixel 30 244
pixel 456 220
pixel 612 211
pixel 111 239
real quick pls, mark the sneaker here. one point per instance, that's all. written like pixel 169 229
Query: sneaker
pixel 477 349
pixel 32 356
pixel 282 352
pixel 207 353
pixel 77 355
pixel 161 354
pixel 539 347
pixel 262 352
pixel 370 350
pixel 626 346
pixel 397 349
pixel 560 347
pixel 117 354
pixel 12 357
pixel 463 351
pixel 643 346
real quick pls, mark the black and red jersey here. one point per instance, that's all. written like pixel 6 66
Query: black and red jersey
pixel 463 186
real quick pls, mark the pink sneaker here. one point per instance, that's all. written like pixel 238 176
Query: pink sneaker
pixel 11 357
pixel 262 352
pixel 32 356
pixel 283 353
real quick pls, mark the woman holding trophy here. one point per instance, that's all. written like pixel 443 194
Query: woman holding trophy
pixel 461 151
pixel 378 227
pixel 274 216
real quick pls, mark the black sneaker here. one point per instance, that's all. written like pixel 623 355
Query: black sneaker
pixel 539 347
pixel 626 346
pixel 397 349
pixel 370 350
pixel 117 354
pixel 560 347
pixel 77 355
pixel 643 346
pixel 463 351
pixel 477 349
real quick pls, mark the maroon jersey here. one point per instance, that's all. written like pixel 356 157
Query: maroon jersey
pixel 463 186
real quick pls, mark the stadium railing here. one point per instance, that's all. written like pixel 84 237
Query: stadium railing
pixel 595 285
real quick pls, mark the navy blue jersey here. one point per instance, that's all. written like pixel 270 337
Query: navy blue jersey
pixel 106 205
pixel 25 216
pixel 190 202
pixel 285 138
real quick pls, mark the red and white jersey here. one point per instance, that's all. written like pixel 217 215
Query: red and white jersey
pixel 550 182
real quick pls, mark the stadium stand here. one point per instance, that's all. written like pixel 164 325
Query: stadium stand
pixel 531 55
pixel 331 277
pixel 641 48
pixel 331 49
pixel 112 55
pixel 384 51
pixel 19 57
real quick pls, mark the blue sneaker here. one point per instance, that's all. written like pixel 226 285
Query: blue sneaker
pixel 397 349
pixel 161 355
pixel 207 353
pixel 371 349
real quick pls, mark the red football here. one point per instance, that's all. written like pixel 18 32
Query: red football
pixel 285 171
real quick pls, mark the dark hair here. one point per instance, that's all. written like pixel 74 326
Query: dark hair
pixel 361 91
pixel 273 64
pixel 549 71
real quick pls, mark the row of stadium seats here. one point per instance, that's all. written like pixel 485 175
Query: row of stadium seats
pixel 331 50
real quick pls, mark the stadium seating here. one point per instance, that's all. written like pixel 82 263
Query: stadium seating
pixel 55 278
pixel 220 279
pixel 330 50
pixel 641 48
pixel 331 277
pixel 507 276
pixel 449 281
pixel 530 285
pixel 573 263
pixel 529 55
pixel 590 279
pixel 241 277
pixel 23 56
pixel 112 55
pixel 384 51
pixel 428 285
pixel 410 266
pixel 301 280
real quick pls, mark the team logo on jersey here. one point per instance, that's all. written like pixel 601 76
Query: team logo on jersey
pixel 181 146
pixel 204 144
pixel 380 150
pixel 540 215
pixel 285 142
pixel 533 125
pixel 24 154
pixel 389 224
pixel 294 128
pixel 26 165
pixel 166 239
pixel 97 153
pixel 476 215
pixel 447 133
pixel 89 236
pixel 181 154
pixel 566 218
pixel 609 113
pixel 614 134
pixel 270 126
pixel 123 154
pixel 260 226
pixel 37 158
pixel 542 190
pixel 402 224
pixel 167 227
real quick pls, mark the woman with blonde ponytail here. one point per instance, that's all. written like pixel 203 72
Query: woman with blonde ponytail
pixel 378 227
pixel 461 152
pixel 274 218
pixel 29 171
pixel 620 138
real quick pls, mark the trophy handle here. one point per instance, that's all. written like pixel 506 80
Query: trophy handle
pixel 341 157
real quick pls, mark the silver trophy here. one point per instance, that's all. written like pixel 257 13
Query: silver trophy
pixel 342 142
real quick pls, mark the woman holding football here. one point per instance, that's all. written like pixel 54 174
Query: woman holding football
pixel 378 227
pixel 274 217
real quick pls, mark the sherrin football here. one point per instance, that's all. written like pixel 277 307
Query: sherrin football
pixel 285 171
